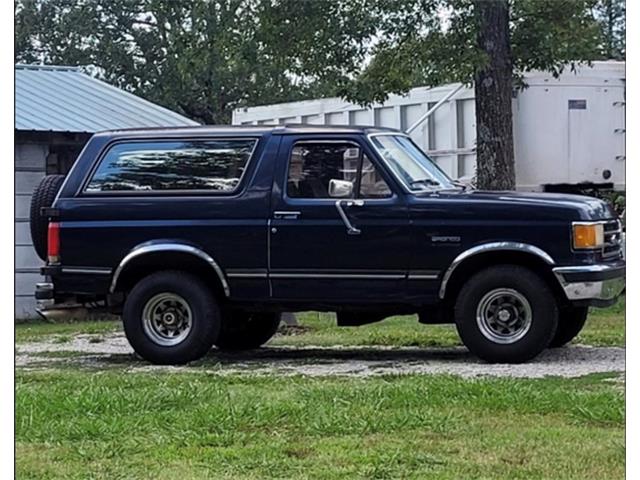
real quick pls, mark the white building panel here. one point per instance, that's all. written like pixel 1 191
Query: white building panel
pixel 386 117
pixel 23 233
pixel 409 114
pixel 27 259
pixel 360 117
pixel 337 118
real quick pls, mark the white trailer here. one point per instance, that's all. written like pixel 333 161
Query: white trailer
pixel 567 131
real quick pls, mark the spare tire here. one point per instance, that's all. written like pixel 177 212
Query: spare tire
pixel 43 196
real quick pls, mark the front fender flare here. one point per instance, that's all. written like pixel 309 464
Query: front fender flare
pixel 492 247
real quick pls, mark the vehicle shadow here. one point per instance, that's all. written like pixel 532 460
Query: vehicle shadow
pixel 339 354
pixel 371 357
pixel 326 355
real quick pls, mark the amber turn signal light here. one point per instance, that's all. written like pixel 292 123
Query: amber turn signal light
pixel 588 235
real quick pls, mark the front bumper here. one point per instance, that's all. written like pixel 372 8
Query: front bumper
pixel 598 285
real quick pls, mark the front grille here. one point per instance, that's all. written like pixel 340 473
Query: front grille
pixel 612 240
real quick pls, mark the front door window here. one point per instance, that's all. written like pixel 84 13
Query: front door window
pixel 322 170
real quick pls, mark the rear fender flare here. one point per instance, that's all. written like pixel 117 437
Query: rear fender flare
pixel 168 246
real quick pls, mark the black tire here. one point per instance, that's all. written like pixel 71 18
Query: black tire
pixel 43 196
pixel 572 320
pixel 500 282
pixel 245 331
pixel 189 289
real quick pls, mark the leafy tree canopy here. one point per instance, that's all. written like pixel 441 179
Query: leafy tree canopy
pixel 204 58
pixel 431 42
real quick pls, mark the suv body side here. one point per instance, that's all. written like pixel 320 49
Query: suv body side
pixel 262 248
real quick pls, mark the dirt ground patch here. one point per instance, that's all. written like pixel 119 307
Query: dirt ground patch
pixel 113 350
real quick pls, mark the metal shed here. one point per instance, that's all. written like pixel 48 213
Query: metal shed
pixel 57 109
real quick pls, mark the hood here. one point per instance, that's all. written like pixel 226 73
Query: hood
pixel 591 208
pixel 534 205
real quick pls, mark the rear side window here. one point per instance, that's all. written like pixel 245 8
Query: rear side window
pixel 212 165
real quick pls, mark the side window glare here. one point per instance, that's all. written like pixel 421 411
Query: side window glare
pixel 372 185
pixel 215 165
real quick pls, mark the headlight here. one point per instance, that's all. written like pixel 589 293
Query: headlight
pixel 588 235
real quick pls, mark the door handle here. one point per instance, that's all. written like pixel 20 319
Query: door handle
pixel 351 230
pixel 286 215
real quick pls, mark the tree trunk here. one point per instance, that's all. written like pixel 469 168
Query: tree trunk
pixel 493 90
pixel 610 22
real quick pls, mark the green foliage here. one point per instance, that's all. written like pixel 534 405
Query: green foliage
pixel 204 58
pixel 431 42
pixel 611 17
pixel 201 58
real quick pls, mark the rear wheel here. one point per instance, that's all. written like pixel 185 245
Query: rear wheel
pixel 506 314
pixel 171 317
pixel 572 320
pixel 245 331
pixel 43 196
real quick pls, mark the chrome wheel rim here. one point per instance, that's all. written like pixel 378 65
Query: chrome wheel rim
pixel 504 315
pixel 167 319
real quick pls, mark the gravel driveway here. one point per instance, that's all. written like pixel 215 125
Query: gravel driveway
pixel 105 351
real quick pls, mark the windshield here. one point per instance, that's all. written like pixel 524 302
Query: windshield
pixel 410 164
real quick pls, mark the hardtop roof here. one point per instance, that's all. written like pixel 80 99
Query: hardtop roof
pixel 206 130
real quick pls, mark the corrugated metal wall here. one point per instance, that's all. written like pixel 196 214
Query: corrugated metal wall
pixel 448 135
pixel 30 167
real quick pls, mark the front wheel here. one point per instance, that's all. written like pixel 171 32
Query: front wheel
pixel 171 317
pixel 506 314
pixel 246 331
pixel 572 320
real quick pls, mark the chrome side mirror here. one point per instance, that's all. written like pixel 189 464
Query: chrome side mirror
pixel 340 188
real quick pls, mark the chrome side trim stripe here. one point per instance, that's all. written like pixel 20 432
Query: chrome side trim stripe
pixel 423 276
pixel 87 270
pixel 247 275
pixel 231 274
pixel 376 275
pixel 339 276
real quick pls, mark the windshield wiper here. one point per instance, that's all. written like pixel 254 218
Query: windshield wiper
pixel 463 186
pixel 425 181
pixel 430 182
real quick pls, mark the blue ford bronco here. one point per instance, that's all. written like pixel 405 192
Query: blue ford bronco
pixel 202 236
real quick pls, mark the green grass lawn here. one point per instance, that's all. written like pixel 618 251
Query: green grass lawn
pixel 167 425
pixel 604 327
pixel 35 330
pixel 83 423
